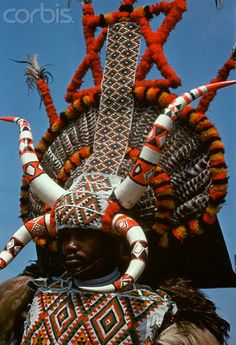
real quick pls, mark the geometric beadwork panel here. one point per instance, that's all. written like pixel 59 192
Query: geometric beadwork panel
pixel 85 203
pixel 116 103
pixel 69 316
pixel 109 321
pixel 62 317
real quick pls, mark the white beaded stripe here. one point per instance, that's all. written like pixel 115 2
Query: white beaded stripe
pixel 127 188
pixel 164 121
pixel 150 155
pixel 136 234
pixel 135 270
pixel 42 184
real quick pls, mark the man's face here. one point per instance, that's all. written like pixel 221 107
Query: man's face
pixel 81 251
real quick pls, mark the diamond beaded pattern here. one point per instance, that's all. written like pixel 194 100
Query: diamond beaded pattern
pixel 116 105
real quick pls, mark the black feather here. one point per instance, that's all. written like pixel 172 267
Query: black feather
pixel 34 72
pixel 219 3
pixel 233 55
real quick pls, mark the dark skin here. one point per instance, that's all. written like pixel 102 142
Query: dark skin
pixel 87 253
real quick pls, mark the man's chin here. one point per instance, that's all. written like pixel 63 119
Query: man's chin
pixel 75 271
pixel 81 273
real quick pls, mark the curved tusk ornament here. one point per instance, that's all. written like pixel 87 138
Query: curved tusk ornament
pixel 45 188
pixel 39 226
pixel 129 192
pixel 130 229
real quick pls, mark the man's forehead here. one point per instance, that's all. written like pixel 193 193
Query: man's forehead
pixel 81 232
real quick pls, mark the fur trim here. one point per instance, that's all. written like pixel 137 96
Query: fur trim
pixel 186 333
pixel 15 296
pixel 194 307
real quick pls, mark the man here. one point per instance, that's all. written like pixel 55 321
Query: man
pixel 61 313
pixel 88 254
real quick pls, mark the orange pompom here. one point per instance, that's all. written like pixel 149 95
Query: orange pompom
pixel 165 190
pixel 57 126
pixel 217 158
pixel 180 233
pixel 24 193
pixel 195 118
pixel 85 152
pixel 42 146
pixel 209 219
pixel 134 154
pixel 139 92
pixel 112 209
pixel 165 99
pixel 75 158
pixel 164 241
pixel 151 94
pixel 209 133
pixel 24 209
pixel 70 112
pixel 217 194
pixel 88 100
pixel 211 210
pixel 216 144
pixel 195 227
pixel 77 104
pixel 40 241
pixel 68 166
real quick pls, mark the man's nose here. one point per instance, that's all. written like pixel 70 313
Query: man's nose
pixel 71 246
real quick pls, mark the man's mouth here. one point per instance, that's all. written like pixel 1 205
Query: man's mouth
pixel 75 260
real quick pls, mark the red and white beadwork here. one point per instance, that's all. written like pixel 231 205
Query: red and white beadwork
pixel 45 188
pixel 38 227
pixel 125 318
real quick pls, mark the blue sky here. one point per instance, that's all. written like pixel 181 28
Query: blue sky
pixel 197 48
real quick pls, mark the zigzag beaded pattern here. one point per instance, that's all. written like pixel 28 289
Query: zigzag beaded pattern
pixel 85 203
pixel 116 105
pixel 62 317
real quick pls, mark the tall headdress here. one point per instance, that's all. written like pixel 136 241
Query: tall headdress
pixel 126 146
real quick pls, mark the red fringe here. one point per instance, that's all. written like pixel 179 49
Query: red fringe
pixel 155 40
pixel 47 100
pixel 112 209
pixel 222 75
pixel 127 2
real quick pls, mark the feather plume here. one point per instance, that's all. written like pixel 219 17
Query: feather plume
pixel 84 2
pixel 233 55
pixel 34 72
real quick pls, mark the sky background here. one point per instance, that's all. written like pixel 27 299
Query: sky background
pixel 196 49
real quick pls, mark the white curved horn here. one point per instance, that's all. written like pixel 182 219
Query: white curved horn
pixel 130 229
pixel 39 226
pixel 129 192
pixel 45 188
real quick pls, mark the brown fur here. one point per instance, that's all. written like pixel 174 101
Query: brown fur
pixel 186 334
pixel 194 308
pixel 15 296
